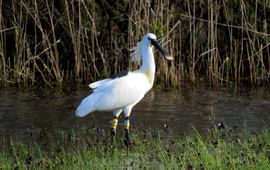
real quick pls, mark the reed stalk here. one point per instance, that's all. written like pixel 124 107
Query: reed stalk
pixel 78 41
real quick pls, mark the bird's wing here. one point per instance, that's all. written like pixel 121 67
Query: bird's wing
pixel 121 92
pixel 102 82
pixel 99 83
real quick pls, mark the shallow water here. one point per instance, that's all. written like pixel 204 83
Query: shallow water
pixel 24 111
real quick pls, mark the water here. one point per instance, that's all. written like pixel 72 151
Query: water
pixel 24 111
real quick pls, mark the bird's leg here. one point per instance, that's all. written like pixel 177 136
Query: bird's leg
pixel 114 123
pixel 126 128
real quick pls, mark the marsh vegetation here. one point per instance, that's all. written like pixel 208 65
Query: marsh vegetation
pixel 73 42
pixel 70 42
pixel 91 147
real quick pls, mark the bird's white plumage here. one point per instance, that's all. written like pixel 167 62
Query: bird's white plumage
pixel 99 83
pixel 122 93
pixel 136 54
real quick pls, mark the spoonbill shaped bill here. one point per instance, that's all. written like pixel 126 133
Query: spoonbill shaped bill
pixel 122 92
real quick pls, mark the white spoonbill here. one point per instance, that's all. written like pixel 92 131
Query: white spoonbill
pixel 122 93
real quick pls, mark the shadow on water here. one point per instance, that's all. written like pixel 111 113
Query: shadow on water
pixel 27 111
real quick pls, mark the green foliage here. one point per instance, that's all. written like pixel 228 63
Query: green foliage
pixel 86 148
pixel 158 28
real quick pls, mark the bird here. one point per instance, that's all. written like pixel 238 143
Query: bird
pixel 120 93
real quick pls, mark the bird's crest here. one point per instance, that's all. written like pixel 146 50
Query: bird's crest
pixel 136 54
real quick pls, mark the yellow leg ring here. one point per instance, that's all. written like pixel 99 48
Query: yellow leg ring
pixel 114 123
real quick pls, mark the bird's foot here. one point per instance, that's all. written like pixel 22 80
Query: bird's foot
pixel 113 134
pixel 128 140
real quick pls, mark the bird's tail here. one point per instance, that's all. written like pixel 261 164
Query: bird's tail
pixel 86 106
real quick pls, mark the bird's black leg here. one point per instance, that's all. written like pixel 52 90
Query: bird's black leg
pixel 126 128
pixel 114 123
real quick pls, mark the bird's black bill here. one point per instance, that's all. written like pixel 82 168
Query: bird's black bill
pixel 164 53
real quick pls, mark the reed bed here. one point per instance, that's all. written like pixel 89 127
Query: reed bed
pixel 92 148
pixel 66 42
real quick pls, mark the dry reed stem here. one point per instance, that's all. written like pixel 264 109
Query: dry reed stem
pixel 81 41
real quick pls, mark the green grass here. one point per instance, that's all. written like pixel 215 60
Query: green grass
pixel 92 148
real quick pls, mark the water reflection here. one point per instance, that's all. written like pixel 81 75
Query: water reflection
pixel 180 110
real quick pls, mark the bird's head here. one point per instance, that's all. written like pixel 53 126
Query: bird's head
pixel 151 40
pixel 148 40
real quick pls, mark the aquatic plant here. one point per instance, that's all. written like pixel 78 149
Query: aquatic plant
pixel 69 42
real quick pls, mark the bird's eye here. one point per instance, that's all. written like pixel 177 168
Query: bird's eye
pixel 149 38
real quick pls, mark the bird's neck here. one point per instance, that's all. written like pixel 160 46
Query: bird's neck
pixel 148 66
